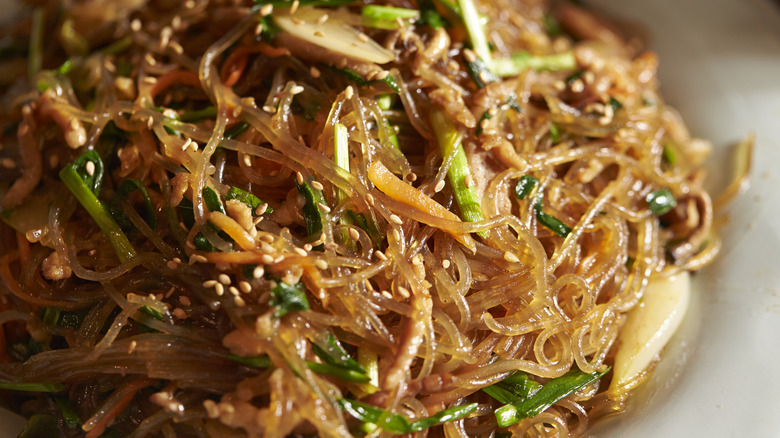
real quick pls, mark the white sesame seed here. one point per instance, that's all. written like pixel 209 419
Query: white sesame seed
pixel 301 252
pixel 296 90
pixel 176 47
pixel 349 92
pixel 185 301
pixel 445 263
pixel 176 22
pixel 297 21
pixel 209 283
pixel 224 279
pixel 299 178
pixel 363 37
pixel 135 25
pixel 294 7
pixel 396 235
pixel 233 291
pixel 439 186
pixel 317 185
pixel 132 346
pixel 220 289
pixel 394 218
pixel 150 59
pixel 313 71
pixel 381 256
pixel 245 286
pixel 387 295
pixel 323 207
pixel 269 109
pixel 404 292
pixel 317 33
pixel 370 199
pixel 248 160
pixel 258 272
pixel 267 259
pixel 323 18
pixel 353 234
pixel 468 181
pixel 197 258
pixel 261 209
pixel 186 144
pixel 321 264
pixel 90 168
pixel 307 246
pixel 172 265
pixel 266 10
pixel 382 75
pixel 239 301
pixel 511 257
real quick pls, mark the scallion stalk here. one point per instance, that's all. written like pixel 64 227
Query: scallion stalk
pixel 520 61
pixel 386 17
pixel 472 21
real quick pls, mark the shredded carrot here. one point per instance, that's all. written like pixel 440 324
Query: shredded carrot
pixel 395 188
pixel 16 289
pixel 173 77
pixel 132 389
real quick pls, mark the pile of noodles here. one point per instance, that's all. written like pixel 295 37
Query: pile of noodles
pixel 438 306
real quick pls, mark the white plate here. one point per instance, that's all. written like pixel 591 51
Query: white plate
pixel 720 66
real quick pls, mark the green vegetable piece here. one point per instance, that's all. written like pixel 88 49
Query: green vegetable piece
pixel 513 389
pixel 385 17
pixel 485 116
pixel 473 23
pixel 69 414
pixel 552 223
pixel 196 115
pixel 551 26
pixel 33 387
pixel 130 185
pixel 479 72
pixel 85 186
pixel 525 185
pixel 555 133
pixel 211 198
pixel 661 201
pixel 334 354
pixel 50 316
pixel 669 156
pixel 247 198
pixel 520 61
pixel 452 414
pixel 399 424
pixel 450 142
pixel 344 374
pixel 385 101
pixel 549 394
pixel 261 361
pixel 236 130
pixel 40 425
pixel 288 298
pixel 615 104
pixel 202 243
pixel 286 3
pixel 154 313
pixel 429 15
pixel 312 213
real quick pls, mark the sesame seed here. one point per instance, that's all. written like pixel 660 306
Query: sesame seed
pixel 197 258
pixel 439 186
pixel 577 85
pixel 259 28
pixel 186 144
pixel 267 238
pixel 404 292
pixel 176 22
pixel 331 246
pixel 370 199
pixel 209 283
pixel 150 59
pixel 301 252
pixel 149 123
pixel 307 247
pixel 394 218
pixel 387 295
pixel 185 301
pixel 245 286
pixel 233 291
pixel 296 20
pixel 165 36
pixel 239 301
pixel 269 109
pixel 353 234
pixel 396 235
pixel 363 37
pixel 266 10
pixel 267 259
pixel 317 185
pixel 179 313
pixel 299 178
pixel 261 209
pixel 224 279
pixel 321 264
pixel 511 257
pixel 445 263
pixel 349 92
pixel 172 265
pixel 176 47
pixel 279 258
pixel 382 75
pixel 381 256
pixel 296 90
pixel 132 346
pixel 258 272
pixel 135 25
pixel 313 71
pixel 219 289
pixel 559 85
pixel 468 181
pixel 248 160
pixel 469 55
pixel 317 33
pixel 323 18
pixel 323 207
pixel 90 168
pixel 294 7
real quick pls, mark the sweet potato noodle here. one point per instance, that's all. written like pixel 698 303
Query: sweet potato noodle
pixel 331 218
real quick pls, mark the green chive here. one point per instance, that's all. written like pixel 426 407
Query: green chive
pixel 288 298
pixel 661 201
pixel 525 185
pixel 32 387
pixel 262 361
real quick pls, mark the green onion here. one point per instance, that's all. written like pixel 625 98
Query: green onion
pixel 513 389
pixel 40 425
pixel 450 143
pixel 85 187
pixel 50 316
pixel 288 3
pixel 130 185
pixel 550 222
pixel 615 104
pixel 385 17
pixel 429 15
pixel 520 61
pixel 32 387
pixel 525 185
pixel 344 374
pixel 472 21
pixel 334 354
pixel 369 360
pixel 369 226
pixel 549 394
pixel 211 198
pixel 341 147
pixel 195 115
pixel 485 116
pixel 479 72
pixel 555 133
pixel 35 59
pixel 262 361
pixel 288 298
pixel 668 155
pixel 551 26
pixel 236 130
pixel 69 413
pixel 661 201
pixel 385 101
pixel 312 213
pixel 247 198
pixel 397 423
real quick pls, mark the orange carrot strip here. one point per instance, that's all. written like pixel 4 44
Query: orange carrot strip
pixel 395 188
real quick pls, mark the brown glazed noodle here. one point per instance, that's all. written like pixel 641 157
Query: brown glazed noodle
pixel 331 218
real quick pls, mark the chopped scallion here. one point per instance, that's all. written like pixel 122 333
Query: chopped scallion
pixel 344 374
pixel 32 387
pixel 661 201
pixel 550 222
pixel 525 186
pixel 247 198
pixel 288 298
pixel 399 424
pixel 520 61
pixel 386 17
pixel 261 361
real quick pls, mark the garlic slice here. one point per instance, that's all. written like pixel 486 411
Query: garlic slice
pixel 332 34
pixel 650 325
